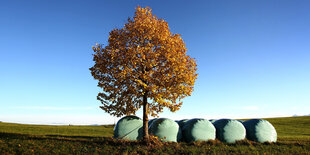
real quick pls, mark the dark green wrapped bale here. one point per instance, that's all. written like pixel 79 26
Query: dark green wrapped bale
pixel 151 121
pixel 129 127
pixel 260 130
pixel 240 121
pixel 166 129
pixel 229 130
pixel 198 130
pixel 182 122
pixel 212 120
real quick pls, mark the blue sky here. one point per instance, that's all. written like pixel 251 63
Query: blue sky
pixel 253 57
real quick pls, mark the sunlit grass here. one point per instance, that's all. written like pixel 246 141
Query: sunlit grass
pixel 293 138
pixel 61 130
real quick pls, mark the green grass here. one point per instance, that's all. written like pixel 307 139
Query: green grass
pixel 292 129
pixel 59 130
pixel 293 138
pixel 292 126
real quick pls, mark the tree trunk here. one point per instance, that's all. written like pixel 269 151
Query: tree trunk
pixel 145 118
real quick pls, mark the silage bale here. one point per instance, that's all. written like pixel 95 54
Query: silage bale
pixel 198 130
pixel 165 129
pixel 240 121
pixel 151 121
pixel 212 120
pixel 182 122
pixel 260 130
pixel 129 127
pixel 229 130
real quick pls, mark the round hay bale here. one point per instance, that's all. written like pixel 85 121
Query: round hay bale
pixel 151 121
pixel 260 130
pixel 198 130
pixel 229 130
pixel 129 127
pixel 212 120
pixel 240 121
pixel 165 129
pixel 182 122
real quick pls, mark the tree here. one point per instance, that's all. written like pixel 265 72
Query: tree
pixel 143 65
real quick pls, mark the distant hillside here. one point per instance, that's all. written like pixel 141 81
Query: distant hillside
pixel 294 127
pixel 67 130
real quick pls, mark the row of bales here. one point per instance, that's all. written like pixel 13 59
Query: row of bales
pixel 225 130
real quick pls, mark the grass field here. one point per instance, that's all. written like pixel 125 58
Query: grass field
pixel 293 138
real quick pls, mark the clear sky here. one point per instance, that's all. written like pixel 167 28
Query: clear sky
pixel 253 57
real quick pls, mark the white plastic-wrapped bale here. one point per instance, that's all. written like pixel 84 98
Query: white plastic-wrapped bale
pixel 166 129
pixel 198 130
pixel 129 128
pixel 229 130
pixel 182 122
pixel 260 130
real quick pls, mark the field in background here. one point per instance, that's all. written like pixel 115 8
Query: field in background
pixel 292 129
pixel 58 130
pixel 293 138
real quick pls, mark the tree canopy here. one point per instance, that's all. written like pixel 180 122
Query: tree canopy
pixel 143 60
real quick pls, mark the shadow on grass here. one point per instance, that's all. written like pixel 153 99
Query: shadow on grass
pixel 117 142
pixel 72 137
pixel 13 135
pixel 4 135
pixel 84 139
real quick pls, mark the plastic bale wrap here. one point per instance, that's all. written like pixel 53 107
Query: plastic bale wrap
pixel 151 121
pixel 240 121
pixel 229 130
pixel 166 129
pixel 182 122
pixel 260 130
pixel 212 120
pixel 198 130
pixel 129 127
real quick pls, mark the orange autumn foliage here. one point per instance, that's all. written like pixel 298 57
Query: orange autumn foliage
pixel 143 59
